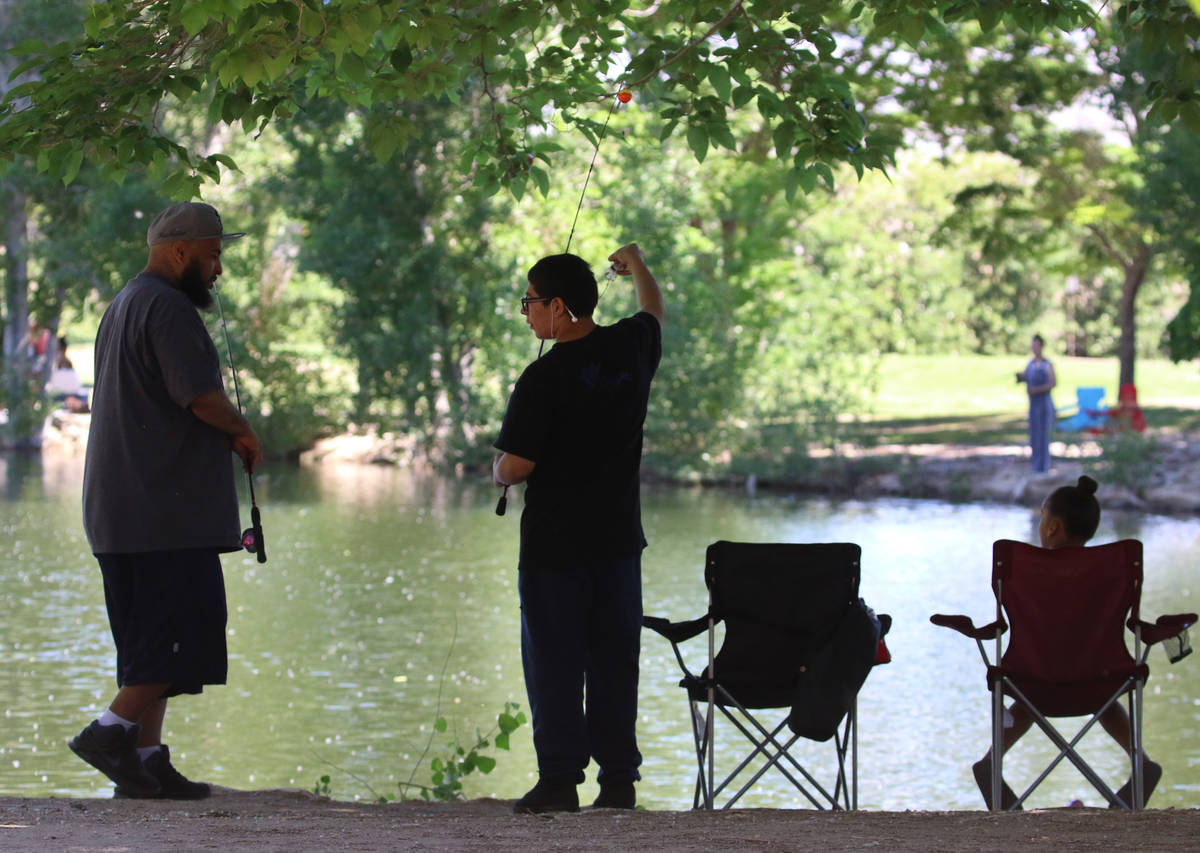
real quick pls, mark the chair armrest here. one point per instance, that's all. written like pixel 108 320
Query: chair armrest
pixel 965 626
pixel 676 632
pixel 1163 627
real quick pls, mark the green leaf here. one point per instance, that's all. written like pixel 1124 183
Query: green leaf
pixel 439 725
pixel 808 180
pixel 225 160
pixel 485 763
pixel 784 137
pixel 914 30
pixel 1189 111
pixel 541 179
pixel 825 173
pixel 234 106
pixel 721 134
pixel 402 57
pixel 1164 111
pixel 28 47
pixel 697 139
pixel 252 72
pixel 502 741
pixel 742 95
pixel 71 166
pixel 27 65
pixel 988 17
pixel 312 20
pixel 791 183
pixel 194 17
pixel 353 68
pixel 718 76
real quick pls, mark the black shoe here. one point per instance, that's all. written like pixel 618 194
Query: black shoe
pixel 113 751
pixel 549 796
pixel 175 786
pixel 617 795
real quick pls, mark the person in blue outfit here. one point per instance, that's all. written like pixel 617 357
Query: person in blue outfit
pixel 573 434
pixel 1039 380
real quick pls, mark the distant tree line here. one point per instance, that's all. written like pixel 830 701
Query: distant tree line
pixel 919 196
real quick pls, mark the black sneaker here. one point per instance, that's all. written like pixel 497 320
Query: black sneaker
pixel 174 785
pixel 113 751
pixel 616 795
pixel 549 795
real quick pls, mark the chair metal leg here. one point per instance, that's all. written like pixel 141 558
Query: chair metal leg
pixel 701 730
pixel 997 719
pixel 997 746
pixel 1138 757
pixel 853 754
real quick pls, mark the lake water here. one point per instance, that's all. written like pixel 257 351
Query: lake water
pixel 390 599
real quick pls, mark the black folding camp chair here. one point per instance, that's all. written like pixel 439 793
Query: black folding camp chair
pixel 797 637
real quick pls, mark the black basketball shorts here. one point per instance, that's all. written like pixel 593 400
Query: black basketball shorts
pixel 167 613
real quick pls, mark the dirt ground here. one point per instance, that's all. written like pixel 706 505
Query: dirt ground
pixel 298 822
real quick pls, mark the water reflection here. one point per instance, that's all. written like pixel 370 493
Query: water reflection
pixel 391 599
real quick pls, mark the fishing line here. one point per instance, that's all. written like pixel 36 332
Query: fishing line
pixel 252 538
pixel 622 97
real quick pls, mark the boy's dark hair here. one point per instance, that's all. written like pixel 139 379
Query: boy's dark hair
pixel 1077 507
pixel 1040 339
pixel 569 278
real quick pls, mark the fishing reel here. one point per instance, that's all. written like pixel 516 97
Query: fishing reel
pixel 252 537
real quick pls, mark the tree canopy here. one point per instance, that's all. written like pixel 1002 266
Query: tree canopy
pixel 99 96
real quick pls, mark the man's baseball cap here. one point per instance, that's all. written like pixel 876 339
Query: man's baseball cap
pixel 188 220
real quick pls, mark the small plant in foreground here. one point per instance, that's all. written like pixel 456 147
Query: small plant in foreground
pixel 459 761
pixel 322 789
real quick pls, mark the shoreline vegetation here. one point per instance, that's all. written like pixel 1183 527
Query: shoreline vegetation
pixel 300 822
pixel 1158 472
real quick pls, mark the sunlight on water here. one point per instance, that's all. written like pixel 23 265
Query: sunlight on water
pixel 389 600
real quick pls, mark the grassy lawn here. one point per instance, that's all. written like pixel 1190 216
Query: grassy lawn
pixel 973 399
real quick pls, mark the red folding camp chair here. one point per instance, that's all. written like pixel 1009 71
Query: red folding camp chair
pixel 1067 610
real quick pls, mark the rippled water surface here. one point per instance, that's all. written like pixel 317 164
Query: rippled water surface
pixel 390 599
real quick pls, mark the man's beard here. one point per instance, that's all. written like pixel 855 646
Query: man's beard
pixel 192 283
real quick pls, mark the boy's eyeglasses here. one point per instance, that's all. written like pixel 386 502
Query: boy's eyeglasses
pixel 526 300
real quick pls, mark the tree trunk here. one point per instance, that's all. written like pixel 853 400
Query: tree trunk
pixel 22 427
pixel 1135 274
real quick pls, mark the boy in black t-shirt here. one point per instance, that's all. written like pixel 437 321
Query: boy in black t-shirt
pixel 573 434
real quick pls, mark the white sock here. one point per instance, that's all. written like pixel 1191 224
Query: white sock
pixel 108 718
pixel 145 752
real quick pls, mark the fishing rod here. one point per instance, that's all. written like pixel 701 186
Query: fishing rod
pixel 252 537
pixel 622 97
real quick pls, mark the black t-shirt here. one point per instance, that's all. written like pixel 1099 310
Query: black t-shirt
pixel 577 413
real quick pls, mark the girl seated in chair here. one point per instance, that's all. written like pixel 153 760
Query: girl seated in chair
pixel 1070 517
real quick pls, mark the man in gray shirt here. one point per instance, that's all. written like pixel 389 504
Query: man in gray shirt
pixel 159 502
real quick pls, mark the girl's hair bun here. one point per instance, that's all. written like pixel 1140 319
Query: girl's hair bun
pixel 1087 485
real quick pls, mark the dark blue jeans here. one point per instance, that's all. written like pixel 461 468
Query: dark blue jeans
pixel 580 640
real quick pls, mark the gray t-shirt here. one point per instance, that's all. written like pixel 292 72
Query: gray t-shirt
pixel 156 477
